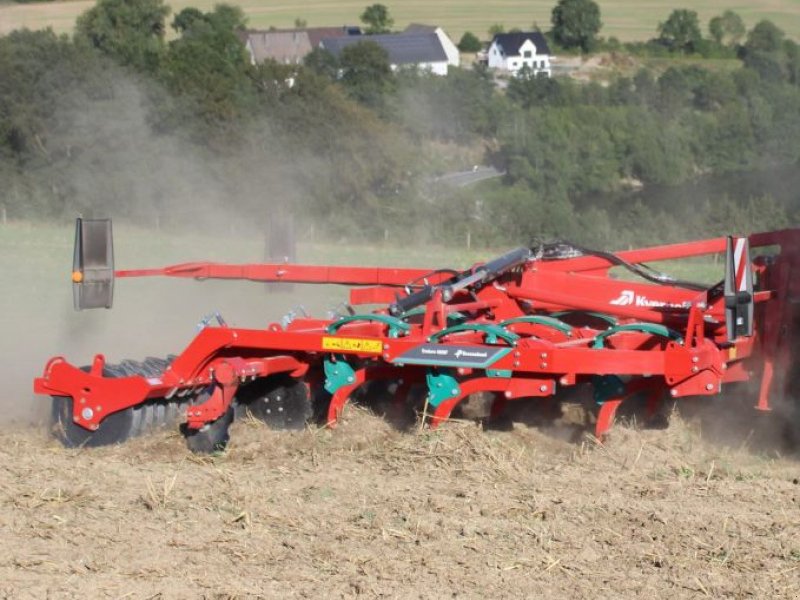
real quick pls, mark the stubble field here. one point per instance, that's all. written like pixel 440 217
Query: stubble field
pixel 709 507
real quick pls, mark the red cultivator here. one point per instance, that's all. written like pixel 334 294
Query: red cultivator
pixel 521 327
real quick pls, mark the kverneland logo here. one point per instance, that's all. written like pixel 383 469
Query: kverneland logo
pixel 626 298
pixel 470 354
pixel 630 298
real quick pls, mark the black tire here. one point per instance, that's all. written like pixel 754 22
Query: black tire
pixel 280 401
pixel 212 437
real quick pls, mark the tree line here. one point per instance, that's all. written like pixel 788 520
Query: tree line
pixel 118 120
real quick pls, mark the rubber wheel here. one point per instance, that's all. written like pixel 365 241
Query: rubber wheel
pixel 281 402
pixel 114 429
pixel 212 437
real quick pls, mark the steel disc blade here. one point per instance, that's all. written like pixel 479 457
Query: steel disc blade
pixel 281 402
pixel 114 429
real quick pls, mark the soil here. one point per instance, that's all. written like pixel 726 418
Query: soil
pixel 370 511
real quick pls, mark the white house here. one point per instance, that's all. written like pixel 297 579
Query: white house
pixel 513 51
pixel 420 50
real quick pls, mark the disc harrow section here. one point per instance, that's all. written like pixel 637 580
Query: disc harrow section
pixel 123 425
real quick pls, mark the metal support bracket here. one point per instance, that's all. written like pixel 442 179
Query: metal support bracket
pixel 338 374
pixel 607 387
pixel 441 387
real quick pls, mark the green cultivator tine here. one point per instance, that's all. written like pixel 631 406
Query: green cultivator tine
pixel 651 328
pixel 564 328
pixel 492 332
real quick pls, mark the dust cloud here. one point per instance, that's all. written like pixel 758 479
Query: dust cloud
pixel 172 201
pixel 121 161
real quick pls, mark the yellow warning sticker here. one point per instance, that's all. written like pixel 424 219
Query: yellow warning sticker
pixel 732 353
pixel 352 345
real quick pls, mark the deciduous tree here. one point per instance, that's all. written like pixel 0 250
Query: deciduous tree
pixel 727 29
pixel 207 67
pixel 130 31
pixel 377 19
pixel 576 23
pixel 764 51
pixel 366 72
pixel 764 37
pixel 322 62
pixel 681 31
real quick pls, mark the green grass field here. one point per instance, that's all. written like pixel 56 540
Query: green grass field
pixel 626 20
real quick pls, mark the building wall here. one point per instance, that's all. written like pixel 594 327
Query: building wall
pixel 529 57
pixel 496 58
pixel 437 68
pixel 249 47
pixel 450 49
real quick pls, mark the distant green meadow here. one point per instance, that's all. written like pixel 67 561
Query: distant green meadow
pixel 626 20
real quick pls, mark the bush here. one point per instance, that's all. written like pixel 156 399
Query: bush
pixel 470 43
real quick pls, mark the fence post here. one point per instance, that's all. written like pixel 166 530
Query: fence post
pixel 469 239
pixel 4 215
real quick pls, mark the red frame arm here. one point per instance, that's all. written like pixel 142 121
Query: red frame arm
pixel 290 273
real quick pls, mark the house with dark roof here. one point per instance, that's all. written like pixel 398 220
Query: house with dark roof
pixel 289 46
pixel 513 51
pixel 420 50
pixel 452 51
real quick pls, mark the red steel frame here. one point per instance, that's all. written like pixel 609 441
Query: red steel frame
pixel 540 358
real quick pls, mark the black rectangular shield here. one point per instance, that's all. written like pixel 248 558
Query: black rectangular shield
pixel 93 264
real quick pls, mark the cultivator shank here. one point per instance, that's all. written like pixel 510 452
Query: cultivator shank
pixel 523 326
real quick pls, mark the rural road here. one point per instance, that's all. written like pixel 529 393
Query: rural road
pixel 470 177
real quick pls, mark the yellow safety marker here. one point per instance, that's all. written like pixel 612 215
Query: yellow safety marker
pixel 352 345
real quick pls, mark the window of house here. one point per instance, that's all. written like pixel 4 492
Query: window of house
pixel 527 54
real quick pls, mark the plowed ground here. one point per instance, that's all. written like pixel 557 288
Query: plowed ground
pixel 369 511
